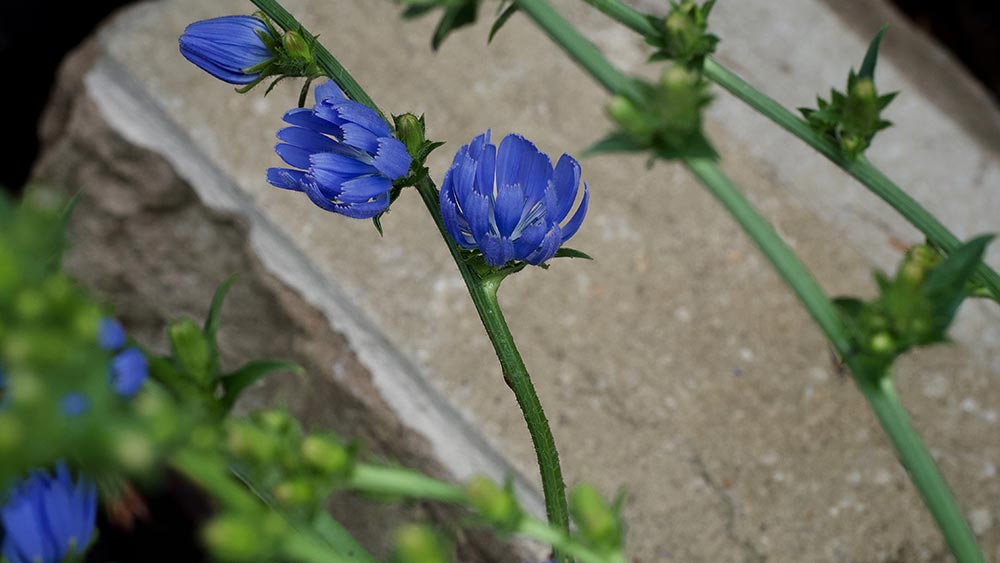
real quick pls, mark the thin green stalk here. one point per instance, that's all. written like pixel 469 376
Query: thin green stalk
pixel 330 65
pixel 483 296
pixel 394 481
pixel 860 168
pixel 882 397
pixel 925 473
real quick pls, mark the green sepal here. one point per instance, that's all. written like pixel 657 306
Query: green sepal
pixel 871 56
pixel 249 373
pixel 947 284
pixel 565 252
pixel 454 17
pixel 616 142
pixel 504 15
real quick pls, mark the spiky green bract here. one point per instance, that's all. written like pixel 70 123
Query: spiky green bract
pixel 853 118
pixel 915 308
pixel 667 120
pixel 683 34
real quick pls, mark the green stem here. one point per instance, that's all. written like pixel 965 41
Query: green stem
pixel 783 258
pixel 330 65
pixel 403 482
pixel 860 168
pixel 484 296
pixel 925 474
pixel 582 51
pixel 882 397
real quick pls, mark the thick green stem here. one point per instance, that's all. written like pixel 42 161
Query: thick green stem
pixel 882 397
pixel 484 296
pixel 860 168
pixel 930 483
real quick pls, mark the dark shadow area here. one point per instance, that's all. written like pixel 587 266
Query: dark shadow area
pixel 968 28
pixel 34 38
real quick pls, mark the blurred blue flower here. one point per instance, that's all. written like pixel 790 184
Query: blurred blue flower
pixel 110 335
pixel 129 370
pixel 343 153
pixel 509 202
pixel 74 404
pixel 229 48
pixel 48 517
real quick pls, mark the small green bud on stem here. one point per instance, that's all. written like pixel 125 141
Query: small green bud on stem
pixel 594 517
pixel 297 47
pixel 419 544
pixel 496 505
pixel 327 455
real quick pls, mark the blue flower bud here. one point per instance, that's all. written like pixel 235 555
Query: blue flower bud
pixel 510 203
pixel 129 371
pixel 48 518
pixel 343 153
pixel 230 48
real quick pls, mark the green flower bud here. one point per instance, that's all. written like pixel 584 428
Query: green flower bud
pixel 246 440
pixel 628 117
pixel 278 422
pixel 496 505
pixel 297 47
pixel 419 544
pixel 410 130
pixel 594 517
pixel 294 492
pixel 882 343
pixel 327 455
pixel 864 89
pixel 134 450
pixel 234 538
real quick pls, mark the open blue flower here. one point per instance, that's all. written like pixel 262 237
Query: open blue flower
pixel 510 203
pixel 129 367
pixel 228 48
pixel 343 153
pixel 48 517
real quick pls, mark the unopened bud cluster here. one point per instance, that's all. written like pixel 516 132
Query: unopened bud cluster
pixel 685 38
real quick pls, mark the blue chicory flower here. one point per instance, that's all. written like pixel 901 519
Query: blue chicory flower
pixel 129 370
pixel 343 153
pixel 48 517
pixel 111 335
pixel 510 202
pixel 228 48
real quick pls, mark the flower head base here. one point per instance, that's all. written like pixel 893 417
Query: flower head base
pixel 230 48
pixel 343 153
pixel 509 202
pixel 48 517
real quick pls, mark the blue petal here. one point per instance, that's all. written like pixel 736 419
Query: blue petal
pixel 306 118
pixel 548 247
pixel 476 209
pixel 232 56
pixel 509 208
pixel 232 76
pixel 570 228
pixel 353 112
pixel 496 250
pixel 536 174
pixel 365 210
pixel 327 182
pixel 328 91
pixel 285 178
pixel 358 137
pixel 475 148
pixel 511 156
pixel 307 139
pixel 364 188
pixel 392 159
pixel 463 175
pixel 531 237
pixel 339 164
pixel 452 221
pixel 292 155
pixel 485 169
pixel 566 182
pixel 110 334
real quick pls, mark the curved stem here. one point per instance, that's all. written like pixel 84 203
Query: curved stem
pixel 882 397
pixel 484 296
pixel 860 169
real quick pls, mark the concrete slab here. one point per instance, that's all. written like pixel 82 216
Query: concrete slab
pixel 676 365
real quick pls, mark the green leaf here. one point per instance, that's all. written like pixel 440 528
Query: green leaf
pixel 501 20
pixel 871 57
pixel 571 253
pixel 212 320
pixel 416 10
pixel 249 373
pixel 615 142
pixel 454 18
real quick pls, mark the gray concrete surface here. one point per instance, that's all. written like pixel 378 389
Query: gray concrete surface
pixel 676 365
